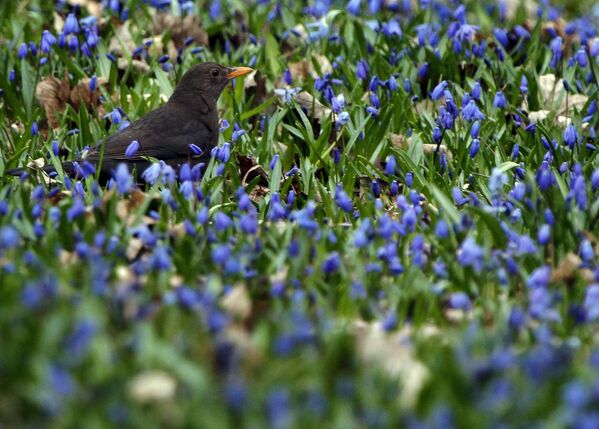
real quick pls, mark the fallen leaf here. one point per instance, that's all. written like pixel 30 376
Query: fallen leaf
pixel 152 386
pixel 249 169
pixel 555 98
pixel 314 107
pixel 237 302
pixel 180 28
pixel 394 353
pixel 133 248
pixel 567 268
pixel 93 7
pixel 54 94
pixel 399 141
pixel 138 66
pixel 258 193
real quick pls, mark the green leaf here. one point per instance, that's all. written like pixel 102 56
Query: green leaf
pixel 506 166
pixel 166 87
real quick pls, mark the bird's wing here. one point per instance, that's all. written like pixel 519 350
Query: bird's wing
pixel 163 134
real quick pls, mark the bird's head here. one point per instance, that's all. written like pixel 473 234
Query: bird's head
pixel 206 81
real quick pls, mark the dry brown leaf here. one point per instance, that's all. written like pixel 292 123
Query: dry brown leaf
pixel 122 42
pixel 93 7
pixel 402 142
pixel 304 68
pixel 177 231
pixel 152 386
pixel 133 248
pixel 36 163
pixel 124 274
pixel 567 268
pixel 555 98
pixel 249 169
pixel 237 302
pixel 512 6
pixel 280 276
pixel 175 281
pixel 181 28
pixel 314 107
pixel 244 344
pixel 259 192
pixel 138 65
pixel 54 94
pixel 393 352
pixel 66 258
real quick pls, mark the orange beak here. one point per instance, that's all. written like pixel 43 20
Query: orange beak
pixel 238 71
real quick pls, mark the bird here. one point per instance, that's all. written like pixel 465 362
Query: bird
pixel 188 117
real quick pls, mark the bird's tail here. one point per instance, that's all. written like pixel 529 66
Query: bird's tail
pixel 19 171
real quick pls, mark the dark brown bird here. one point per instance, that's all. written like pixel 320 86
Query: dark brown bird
pixel 189 117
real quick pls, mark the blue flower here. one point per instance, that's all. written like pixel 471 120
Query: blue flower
pixel 459 301
pixel 474 148
pixel 391 165
pixel 48 40
pixel 78 342
pixel 76 210
pixel 115 116
pixel 278 408
pixel 499 101
pixel 332 263
pixel 392 28
pixel 362 70
pixel 152 173
pixel 409 219
pixel 581 58
pixel 195 149
pixel 578 192
pixel 570 136
pixel 476 91
pixel 556 51
pixel 465 32
pixel 237 132
pixel 471 112
pixel 471 255
pixel 544 234
pixel 276 211
pixel 342 199
pixel 539 277
pixel 248 223
pixel 342 119
pixel 591 302
pixel 501 35
pixel 317 30
pixel 595 180
pixel 223 153
pixel 71 25
pixel 122 178
pixel 221 254
pixel 441 229
pixel 9 237
pixel 439 90
pixel 132 149
pixel 497 180
pixel 545 177
pixel 353 7
pixel 458 197
pixel 222 222
pixel 22 51
pixel 304 217
pixel 61 381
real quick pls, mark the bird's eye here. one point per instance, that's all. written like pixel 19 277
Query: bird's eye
pixel 215 72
